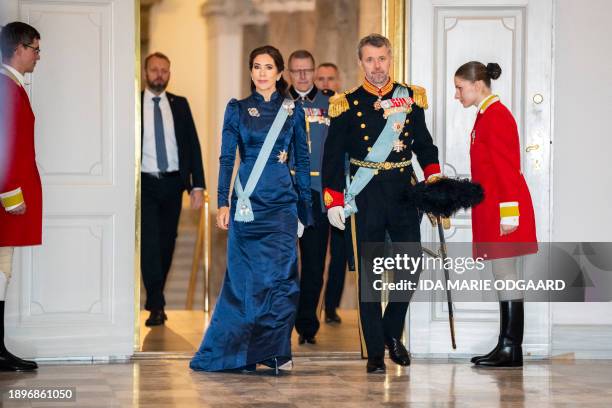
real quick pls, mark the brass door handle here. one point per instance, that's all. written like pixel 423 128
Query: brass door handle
pixel 532 148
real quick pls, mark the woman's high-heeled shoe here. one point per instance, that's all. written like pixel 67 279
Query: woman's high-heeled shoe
pixel 278 366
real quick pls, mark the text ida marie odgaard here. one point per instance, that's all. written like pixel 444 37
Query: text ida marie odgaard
pixel 459 265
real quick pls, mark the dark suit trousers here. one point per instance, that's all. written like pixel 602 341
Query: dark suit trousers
pixel 160 210
pixel 382 211
pixel 337 269
pixel 313 249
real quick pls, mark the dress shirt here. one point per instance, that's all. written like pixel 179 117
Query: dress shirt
pixel 149 156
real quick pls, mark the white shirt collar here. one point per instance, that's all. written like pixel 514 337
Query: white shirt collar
pixel 16 73
pixel 304 94
pixel 150 95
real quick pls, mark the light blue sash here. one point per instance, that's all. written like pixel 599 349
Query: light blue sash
pixel 244 210
pixel 379 153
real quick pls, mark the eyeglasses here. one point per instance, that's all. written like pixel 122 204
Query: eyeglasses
pixel 36 49
pixel 301 71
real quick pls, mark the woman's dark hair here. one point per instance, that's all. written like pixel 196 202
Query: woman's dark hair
pixel 281 84
pixel 477 71
pixel 16 33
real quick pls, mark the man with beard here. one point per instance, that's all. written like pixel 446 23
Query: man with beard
pixel 378 125
pixel 171 163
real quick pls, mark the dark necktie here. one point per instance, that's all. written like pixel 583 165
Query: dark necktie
pixel 160 141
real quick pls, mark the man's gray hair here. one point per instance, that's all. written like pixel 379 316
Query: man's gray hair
pixel 375 40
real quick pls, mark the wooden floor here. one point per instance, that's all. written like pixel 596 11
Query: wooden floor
pixel 184 330
pixel 323 382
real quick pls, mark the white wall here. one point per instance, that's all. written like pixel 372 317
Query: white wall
pixel 582 141
pixel 583 109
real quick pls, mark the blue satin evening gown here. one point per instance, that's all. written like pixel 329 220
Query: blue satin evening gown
pixel 255 311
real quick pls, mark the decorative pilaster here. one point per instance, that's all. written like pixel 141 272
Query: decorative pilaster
pixel 145 12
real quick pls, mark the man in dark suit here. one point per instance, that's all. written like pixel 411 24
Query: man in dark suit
pixel 171 163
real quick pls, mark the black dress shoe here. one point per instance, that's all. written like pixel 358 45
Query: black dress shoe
pixel 305 339
pixel 156 318
pixel 397 352
pixel 376 365
pixel 332 317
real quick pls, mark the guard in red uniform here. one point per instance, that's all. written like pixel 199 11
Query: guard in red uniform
pixel 503 225
pixel 20 187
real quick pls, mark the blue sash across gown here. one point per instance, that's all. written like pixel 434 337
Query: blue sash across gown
pixel 255 311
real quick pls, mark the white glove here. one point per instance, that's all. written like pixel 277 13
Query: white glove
pixel 335 215
pixel 300 229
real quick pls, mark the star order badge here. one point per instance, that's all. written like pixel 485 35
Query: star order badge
pixel 398 126
pixel 253 112
pixel 398 146
pixel 377 105
pixel 289 105
pixel 282 156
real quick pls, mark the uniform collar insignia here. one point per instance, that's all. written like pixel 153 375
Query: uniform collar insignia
pixel 490 100
pixel 376 91
pixel 310 96
pixel 313 92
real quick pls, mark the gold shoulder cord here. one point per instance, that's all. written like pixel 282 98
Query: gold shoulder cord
pixel 419 95
pixel 338 104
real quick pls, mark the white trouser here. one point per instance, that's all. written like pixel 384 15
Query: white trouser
pixel 507 269
pixel 6 267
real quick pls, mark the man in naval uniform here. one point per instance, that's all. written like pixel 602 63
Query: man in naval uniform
pixel 379 124
pixel 327 76
pixel 313 243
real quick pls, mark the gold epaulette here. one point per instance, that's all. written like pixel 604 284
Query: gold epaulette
pixel 419 95
pixel 338 104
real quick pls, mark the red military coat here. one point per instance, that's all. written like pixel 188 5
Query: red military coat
pixel 18 172
pixel 495 164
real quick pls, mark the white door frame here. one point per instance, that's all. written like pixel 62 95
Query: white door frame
pixel 477 331
pixel 74 296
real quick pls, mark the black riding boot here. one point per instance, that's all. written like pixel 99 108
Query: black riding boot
pixel 9 362
pixel 509 350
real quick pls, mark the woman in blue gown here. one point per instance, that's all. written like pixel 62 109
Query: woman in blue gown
pixel 255 311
